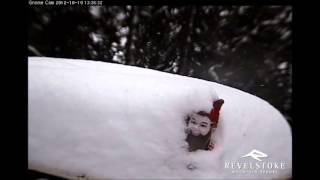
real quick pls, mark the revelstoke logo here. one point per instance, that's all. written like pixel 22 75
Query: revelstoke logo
pixel 255 154
pixel 262 165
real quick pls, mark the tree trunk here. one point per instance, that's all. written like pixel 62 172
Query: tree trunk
pixel 187 45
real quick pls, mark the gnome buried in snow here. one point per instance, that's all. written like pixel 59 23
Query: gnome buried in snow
pixel 200 127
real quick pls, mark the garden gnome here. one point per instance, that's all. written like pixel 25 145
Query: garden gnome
pixel 200 127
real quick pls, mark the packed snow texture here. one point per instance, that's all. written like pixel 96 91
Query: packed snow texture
pixel 110 121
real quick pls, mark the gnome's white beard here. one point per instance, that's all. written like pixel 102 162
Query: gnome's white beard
pixel 198 142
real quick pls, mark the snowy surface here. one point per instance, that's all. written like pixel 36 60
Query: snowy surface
pixel 110 121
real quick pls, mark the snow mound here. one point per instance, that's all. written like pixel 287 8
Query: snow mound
pixel 110 121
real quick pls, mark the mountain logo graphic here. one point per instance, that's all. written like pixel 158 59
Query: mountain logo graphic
pixel 255 154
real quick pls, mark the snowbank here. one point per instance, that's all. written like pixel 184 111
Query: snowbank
pixel 110 121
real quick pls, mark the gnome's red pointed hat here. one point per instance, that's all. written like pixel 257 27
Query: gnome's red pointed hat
pixel 214 113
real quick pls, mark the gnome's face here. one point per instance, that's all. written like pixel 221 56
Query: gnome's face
pixel 199 125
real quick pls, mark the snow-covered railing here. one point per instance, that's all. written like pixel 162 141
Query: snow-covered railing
pixel 109 121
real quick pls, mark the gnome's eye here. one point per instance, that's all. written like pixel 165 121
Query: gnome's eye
pixel 193 122
pixel 203 125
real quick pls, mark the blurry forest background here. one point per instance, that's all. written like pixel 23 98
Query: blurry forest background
pixel 246 47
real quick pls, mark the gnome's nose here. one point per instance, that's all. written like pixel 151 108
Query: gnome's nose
pixel 195 131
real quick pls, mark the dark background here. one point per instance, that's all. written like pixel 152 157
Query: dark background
pixel 246 47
